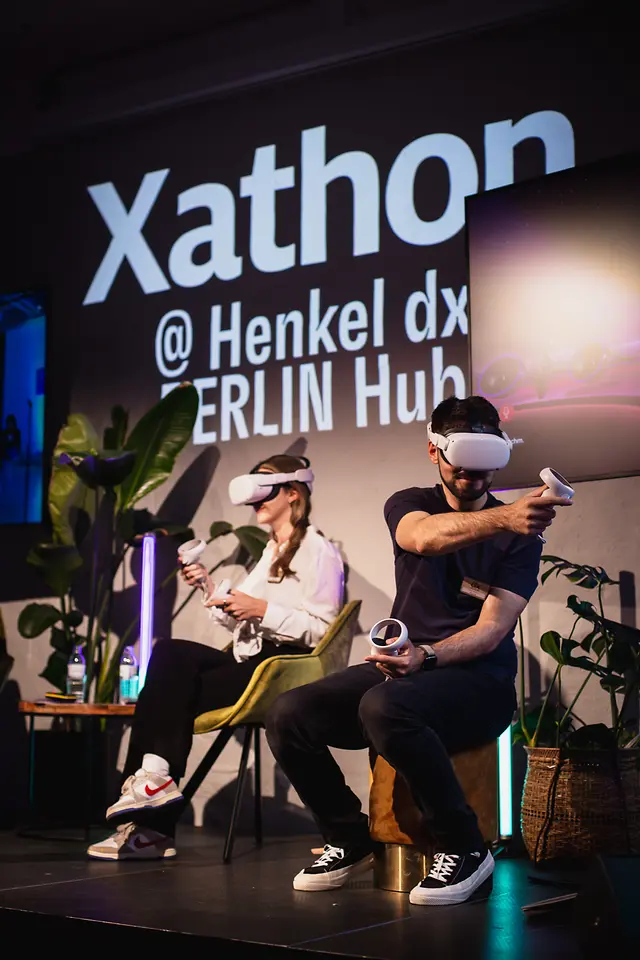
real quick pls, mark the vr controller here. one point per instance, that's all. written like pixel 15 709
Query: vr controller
pixel 377 636
pixel 190 552
pixel 558 487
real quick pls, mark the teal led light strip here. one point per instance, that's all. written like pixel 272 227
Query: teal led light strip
pixel 505 813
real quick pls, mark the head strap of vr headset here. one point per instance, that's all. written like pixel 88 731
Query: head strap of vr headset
pixel 442 441
pixel 304 475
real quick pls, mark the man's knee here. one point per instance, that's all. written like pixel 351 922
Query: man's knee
pixel 383 714
pixel 285 713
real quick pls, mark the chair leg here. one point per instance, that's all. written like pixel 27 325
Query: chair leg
pixel 242 772
pixel 257 788
pixel 207 762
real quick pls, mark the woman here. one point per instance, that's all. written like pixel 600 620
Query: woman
pixel 285 604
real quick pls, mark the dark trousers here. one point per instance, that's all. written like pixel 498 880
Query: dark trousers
pixel 416 723
pixel 185 679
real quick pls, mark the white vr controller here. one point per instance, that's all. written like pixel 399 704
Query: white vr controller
pixel 190 552
pixel 558 487
pixel 378 641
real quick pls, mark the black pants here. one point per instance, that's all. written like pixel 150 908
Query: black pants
pixel 416 723
pixel 185 679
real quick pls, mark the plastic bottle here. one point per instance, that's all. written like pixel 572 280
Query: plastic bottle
pixel 77 674
pixel 128 676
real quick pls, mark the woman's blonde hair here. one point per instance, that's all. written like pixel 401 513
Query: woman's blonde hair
pixel 300 510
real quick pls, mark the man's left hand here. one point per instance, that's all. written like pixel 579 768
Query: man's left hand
pixel 240 606
pixel 408 660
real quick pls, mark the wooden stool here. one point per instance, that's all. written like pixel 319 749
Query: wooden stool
pixel 396 822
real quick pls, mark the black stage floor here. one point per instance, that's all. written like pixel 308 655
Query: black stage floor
pixel 50 893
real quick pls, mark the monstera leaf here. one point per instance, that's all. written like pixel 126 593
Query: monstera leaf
pixel 66 491
pixel 156 440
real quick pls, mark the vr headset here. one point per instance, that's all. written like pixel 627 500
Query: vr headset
pixel 474 449
pixel 257 487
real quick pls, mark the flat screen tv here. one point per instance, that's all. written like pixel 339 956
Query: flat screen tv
pixel 555 319
pixel 23 333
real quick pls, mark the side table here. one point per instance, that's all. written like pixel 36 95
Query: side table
pixel 88 714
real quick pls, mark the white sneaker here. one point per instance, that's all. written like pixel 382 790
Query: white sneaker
pixel 130 842
pixel 453 878
pixel 145 792
pixel 333 868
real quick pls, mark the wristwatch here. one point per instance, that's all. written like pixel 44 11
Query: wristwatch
pixel 430 661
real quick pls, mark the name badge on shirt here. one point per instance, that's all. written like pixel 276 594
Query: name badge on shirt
pixel 475 589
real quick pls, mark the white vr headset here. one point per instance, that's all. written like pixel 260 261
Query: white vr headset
pixel 474 451
pixel 254 487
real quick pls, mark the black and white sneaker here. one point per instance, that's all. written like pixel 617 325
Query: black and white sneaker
pixel 453 878
pixel 333 868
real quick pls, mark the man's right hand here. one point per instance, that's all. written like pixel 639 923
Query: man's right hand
pixel 533 513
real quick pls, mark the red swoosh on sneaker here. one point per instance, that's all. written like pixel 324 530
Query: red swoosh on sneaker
pixel 152 793
pixel 139 844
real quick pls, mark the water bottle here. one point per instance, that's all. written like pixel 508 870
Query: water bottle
pixel 77 674
pixel 128 676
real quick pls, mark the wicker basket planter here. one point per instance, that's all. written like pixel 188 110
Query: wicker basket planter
pixel 580 802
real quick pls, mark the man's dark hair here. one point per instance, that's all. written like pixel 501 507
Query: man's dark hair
pixel 472 413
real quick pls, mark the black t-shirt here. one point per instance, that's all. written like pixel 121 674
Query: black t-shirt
pixel 429 598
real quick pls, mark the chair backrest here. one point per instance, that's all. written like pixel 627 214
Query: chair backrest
pixel 334 649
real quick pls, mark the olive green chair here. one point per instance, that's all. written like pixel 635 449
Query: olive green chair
pixel 272 677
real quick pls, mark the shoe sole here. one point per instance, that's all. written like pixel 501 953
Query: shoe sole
pixel 314 883
pixel 114 855
pixel 460 893
pixel 118 811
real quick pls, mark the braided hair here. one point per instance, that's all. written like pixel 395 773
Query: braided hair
pixel 300 510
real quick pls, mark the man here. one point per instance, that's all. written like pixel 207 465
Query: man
pixel 465 567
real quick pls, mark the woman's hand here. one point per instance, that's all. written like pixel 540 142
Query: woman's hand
pixel 240 606
pixel 195 575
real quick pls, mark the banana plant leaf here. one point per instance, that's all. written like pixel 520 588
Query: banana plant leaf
pixel 66 490
pixel 96 471
pixel 157 439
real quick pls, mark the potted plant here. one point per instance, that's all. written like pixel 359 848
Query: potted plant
pixel 97 526
pixel 581 793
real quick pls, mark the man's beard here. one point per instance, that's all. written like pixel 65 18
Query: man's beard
pixel 461 492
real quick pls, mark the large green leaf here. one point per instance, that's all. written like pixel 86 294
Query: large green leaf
pixel 219 528
pixel 594 736
pixel 253 539
pixel 582 608
pixel 157 439
pixel 36 618
pixel 96 471
pixel 56 670
pixel 550 643
pixel 133 524
pixel 57 564
pixel 66 490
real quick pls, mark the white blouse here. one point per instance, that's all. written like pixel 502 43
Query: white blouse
pixel 299 608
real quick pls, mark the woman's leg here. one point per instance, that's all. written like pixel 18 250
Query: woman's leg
pixel 163 721
pixel 214 682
